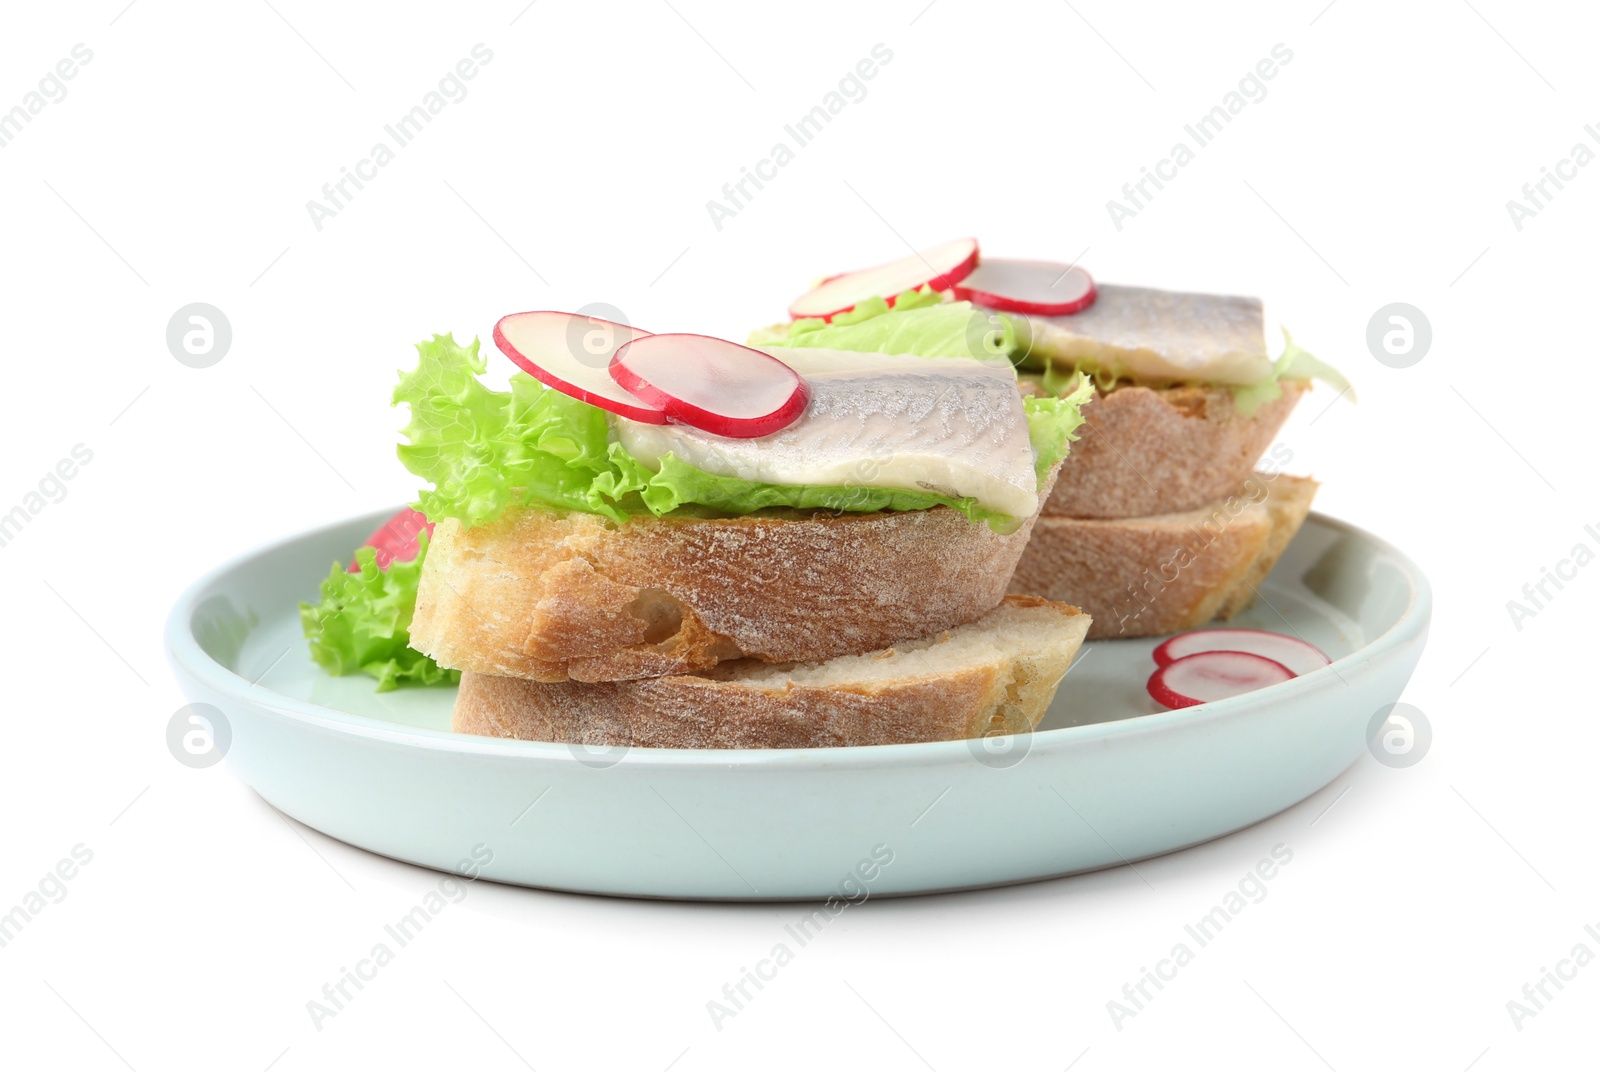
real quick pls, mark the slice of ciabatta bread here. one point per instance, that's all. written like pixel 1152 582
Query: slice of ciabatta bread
pixel 996 675
pixel 1149 576
pixel 1143 452
pixel 551 596
pixel 1288 503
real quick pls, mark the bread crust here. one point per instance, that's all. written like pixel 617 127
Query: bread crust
pixel 986 689
pixel 1287 505
pixel 1143 452
pixel 549 596
pixel 1150 576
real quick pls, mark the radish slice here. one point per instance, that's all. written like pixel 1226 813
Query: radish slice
pixel 1214 675
pixel 940 267
pixel 1042 288
pixel 397 540
pixel 1296 654
pixel 712 384
pixel 571 354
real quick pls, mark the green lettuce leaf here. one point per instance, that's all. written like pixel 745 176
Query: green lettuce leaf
pixel 778 334
pixel 1293 364
pixel 362 623
pixel 485 450
pixel 1059 381
pixel 920 323
pixel 1053 421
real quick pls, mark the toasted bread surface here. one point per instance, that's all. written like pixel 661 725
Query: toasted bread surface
pixel 550 596
pixel 994 675
pixel 1150 576
pixel 1144 452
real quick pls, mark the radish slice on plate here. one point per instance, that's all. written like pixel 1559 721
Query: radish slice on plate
pixel 571 353
pixel 940 267
pixel 1042 288
pixel 1297 655
pixel 712 384
pixel 398 539
pixel 1213 675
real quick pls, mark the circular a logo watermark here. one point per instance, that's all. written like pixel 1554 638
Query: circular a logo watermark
pixel 598 756
pixel 986 333
pixel 1399 735
pixel 199 335
pixel 592 337
pixel 999 750
pixel 198 735
pixel 1399 335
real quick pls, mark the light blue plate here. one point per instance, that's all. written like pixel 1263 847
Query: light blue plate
pixel 1110 777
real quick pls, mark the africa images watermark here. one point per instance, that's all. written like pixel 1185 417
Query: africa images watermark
pixel 451 89
pixel 51 89
pixel 853 889
pixel 1252 89
pixel 1537 594
pixel 1537 995
pixel 50 889
pixel 337 995
pixel 1538 194
pixel 52 488
pixel 1251 889
pixel 851 89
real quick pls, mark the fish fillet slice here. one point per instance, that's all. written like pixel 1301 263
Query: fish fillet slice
pixel 1160 336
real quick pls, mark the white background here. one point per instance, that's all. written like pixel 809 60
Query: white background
pixel 1376 170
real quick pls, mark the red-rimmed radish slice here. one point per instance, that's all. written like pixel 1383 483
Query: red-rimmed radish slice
pixel 1214 675
pixel 940 267
pixel 571 353
pixel 712 384
pixel 1296 654
pixel 1042 288
pixel 397 539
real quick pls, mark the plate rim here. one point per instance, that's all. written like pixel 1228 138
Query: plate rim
pixel 187 657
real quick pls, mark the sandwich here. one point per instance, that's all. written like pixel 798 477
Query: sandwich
pixel 1177 506
pixel 674 540
pixel 1160 520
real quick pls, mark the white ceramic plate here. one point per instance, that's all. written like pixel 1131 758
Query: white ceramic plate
pixel 1109 778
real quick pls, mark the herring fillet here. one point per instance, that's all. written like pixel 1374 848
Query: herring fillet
pixel 1159 335
pixel 955 427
